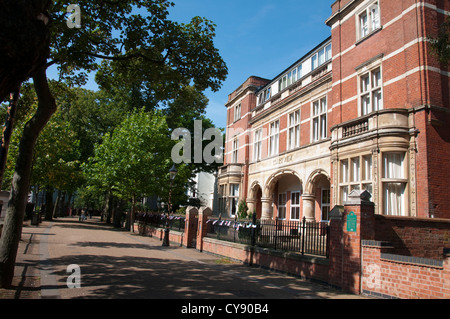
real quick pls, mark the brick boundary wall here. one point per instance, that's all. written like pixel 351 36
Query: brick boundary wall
pixel 364 252
pixel 418 237
pixel 387 275
pixel 303 266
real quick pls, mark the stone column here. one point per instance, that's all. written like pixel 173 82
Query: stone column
pixel 251 204
pixel 309 202
pixel 266 208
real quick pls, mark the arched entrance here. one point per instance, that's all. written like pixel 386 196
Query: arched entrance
pixel 282 196
pixel 254 201
pixel 316 200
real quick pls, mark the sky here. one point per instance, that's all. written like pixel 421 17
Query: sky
pixel 254 37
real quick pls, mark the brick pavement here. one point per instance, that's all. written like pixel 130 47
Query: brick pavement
pixel 118 264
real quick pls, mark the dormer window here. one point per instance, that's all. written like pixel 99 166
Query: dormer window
pixel 322 56
pixel 264 96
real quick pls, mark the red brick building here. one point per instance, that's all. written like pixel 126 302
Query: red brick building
pixel 367 108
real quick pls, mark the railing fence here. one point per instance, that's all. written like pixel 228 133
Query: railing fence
pixel 297 236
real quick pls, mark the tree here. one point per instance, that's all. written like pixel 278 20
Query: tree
pixel 134 39
pixel 131 163
pixel 441 44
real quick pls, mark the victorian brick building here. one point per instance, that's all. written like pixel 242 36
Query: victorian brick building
pixel 368 108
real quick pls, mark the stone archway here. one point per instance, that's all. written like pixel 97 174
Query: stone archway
pixel 254 200
pixel 286 182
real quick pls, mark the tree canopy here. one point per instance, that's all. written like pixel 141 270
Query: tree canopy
pixel 136 51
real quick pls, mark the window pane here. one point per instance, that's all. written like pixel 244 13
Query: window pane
pixel 376 78
pixel 321 56
pixel 325 196
pixel 393 165
pixel 295 205
pixel 344 194
pixel 291 138
pixel 234 191
pixel 365 83
pixel 355 169
pixel 367 169
pixel 374 17
pixel 344 171
pixel 314 62
pixel 364 28
pixel 377 100
pixel 316 129
pixel 323 105
pixel 328 52
pixel 365 105
pixel 316 108
pixel 323 123
pixel 325 212
pixel 393 199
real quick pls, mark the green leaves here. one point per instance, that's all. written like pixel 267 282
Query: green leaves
pixel 132 160
pixel 138 45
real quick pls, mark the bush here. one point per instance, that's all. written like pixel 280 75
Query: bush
pixel 242 209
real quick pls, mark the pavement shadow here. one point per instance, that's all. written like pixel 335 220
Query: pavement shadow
pixel 110 277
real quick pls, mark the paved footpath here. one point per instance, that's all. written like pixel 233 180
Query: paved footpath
pixel 116 264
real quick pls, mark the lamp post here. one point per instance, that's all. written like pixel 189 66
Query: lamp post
pixel 173 172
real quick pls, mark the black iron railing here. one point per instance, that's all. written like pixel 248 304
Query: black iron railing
pixel 300 236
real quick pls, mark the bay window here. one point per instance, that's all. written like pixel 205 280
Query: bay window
pixel 355 174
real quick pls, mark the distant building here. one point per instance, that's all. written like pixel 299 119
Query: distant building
pixel 205 189
pixel 367 108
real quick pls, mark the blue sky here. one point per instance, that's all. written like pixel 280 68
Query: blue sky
pixel 254 37
pixel 260 38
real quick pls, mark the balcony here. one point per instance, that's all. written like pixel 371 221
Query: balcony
pixel 357 128
pixel 390 122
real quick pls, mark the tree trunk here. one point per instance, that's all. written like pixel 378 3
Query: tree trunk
pixel 57 204
pixel 12 228
pixel 118 213
pixel 24 39
pixel 107 209
pixel 48 203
